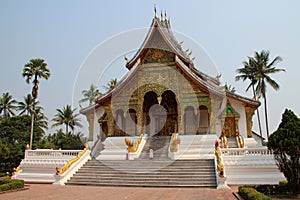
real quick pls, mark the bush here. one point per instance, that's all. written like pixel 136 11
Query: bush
pixel 249 193
pixel 281 189
pixel 10 184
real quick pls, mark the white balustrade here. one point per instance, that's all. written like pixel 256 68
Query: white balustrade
pixel 50 154
pixel 246 151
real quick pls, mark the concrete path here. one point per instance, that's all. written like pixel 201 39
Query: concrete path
pixel 39 192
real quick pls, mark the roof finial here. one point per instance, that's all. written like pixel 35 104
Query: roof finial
pixel 155 16
pixel 161 16
pixel 166 15
pixel 126 59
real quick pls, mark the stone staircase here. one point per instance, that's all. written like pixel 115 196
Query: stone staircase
pixel 147 173
pixel 159 145
pixel 232 142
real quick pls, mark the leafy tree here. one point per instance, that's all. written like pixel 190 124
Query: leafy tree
pixel 111 85
pixel 35 69
pixel 14 133
pixel 67 117
pixel 285 143
pixel 248 73
pixel 4 150
pixel 264 69
pixel 90 95
pixel 7 105
pixel 64 141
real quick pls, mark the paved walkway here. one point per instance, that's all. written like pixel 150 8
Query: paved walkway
pixel 39 192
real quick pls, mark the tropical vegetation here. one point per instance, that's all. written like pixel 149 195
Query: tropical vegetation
pixel 7 105
pixel 285 143
pixel 111 85
pixel 259 70
pixel 90 95
pixel 35 69
pixel 67 117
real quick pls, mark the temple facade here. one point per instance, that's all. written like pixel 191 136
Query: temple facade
pixel 163 92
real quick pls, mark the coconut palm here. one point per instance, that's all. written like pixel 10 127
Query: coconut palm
pixel 111 85
pixel 265 68
pixel 40 118
pixel 229 88
pixel 90 95
pixel 26 107
pixel 248 73
pixel 35 69
pixel 7 105
pixel 67 117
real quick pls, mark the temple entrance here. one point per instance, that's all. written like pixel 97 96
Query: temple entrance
pixel 160 113
pixel 203 116
pixel 229 127
pixel 229 119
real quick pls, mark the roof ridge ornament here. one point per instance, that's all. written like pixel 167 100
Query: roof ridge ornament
pixel 155 16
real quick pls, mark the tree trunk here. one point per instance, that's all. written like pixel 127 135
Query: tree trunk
pixel 266 116
pixel 258 118
pixel 32 123
pixel 34 94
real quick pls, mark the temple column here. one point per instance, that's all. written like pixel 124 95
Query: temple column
pixel 214 107
pixel 249 114
pixel 236 126
pixel 110 120
pixel 139 115
pixel 90 119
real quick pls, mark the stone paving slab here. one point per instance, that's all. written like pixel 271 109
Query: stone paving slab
pixel 45 191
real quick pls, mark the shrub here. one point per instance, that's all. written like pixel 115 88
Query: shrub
pixel 249 193
pixel 10 184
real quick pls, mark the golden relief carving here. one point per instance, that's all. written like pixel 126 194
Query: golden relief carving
pixel 155 55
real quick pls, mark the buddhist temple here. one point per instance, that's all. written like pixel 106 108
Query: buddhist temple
pixel 164 91
pixel 165 124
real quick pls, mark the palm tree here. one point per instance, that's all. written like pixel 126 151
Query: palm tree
pixel 40 118
pixel 90 95
pixel 111 85
pixel 7 105
pixel 67 117
pixel 35 69
pixel 229 88
pixel 248 72
pixel 262 76
pixel 26 107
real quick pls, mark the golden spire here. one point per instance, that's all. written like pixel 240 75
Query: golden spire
pixel 155 16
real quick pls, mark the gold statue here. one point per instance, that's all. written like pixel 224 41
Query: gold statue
pixel 220 165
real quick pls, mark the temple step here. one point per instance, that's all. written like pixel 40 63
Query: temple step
pixel 159 145
pixel 232 142
pixel 147 173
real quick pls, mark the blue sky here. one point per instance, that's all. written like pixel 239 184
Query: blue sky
pixel 65 32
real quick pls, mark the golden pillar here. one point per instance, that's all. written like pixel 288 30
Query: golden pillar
pixel 249 114
pixel 110 120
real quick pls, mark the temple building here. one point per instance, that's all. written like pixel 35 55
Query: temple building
pixel 165 124
pixel 164 92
